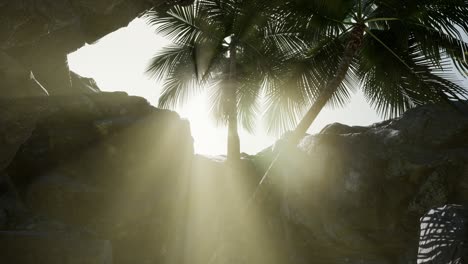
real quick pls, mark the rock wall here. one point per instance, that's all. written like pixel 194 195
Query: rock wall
pixel 357 193
pixel 116 180
pixel 346 195
pixel 97 173
pixel 38 34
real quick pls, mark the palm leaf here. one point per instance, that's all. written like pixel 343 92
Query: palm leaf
pixel 166 60
pixel 248 100
pixel 179 24
pixel 396 80
pixel 282 111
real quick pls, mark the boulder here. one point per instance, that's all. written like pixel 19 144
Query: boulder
pixel 17 122
pixel 105 168
pixel 357 193
pixel 46 248
pixel 16 81
pixel 107 164
pixel 83 84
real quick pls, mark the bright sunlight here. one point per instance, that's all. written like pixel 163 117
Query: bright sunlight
pixel 103 177
pixel 118 63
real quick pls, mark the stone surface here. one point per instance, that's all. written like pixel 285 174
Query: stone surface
pixel 357 193
pixel 110 167
pixel 16 81
pixel 46 248
pixel 83 84
pixel 107 165
pixel 39 34
pixel 17 121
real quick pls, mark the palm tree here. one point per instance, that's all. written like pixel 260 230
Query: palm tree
pixel 232 48
pixel 402 53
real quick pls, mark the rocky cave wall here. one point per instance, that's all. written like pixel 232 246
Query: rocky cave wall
pixel 107 178
pixel 37 35
pixel 91 179
pixel 358 193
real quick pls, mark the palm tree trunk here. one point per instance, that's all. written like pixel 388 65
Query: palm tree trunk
pixel 233 145
pixel 351 48
pixel 222 249
pixel 353 45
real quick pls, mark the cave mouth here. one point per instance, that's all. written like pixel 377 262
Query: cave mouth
pixel 118 61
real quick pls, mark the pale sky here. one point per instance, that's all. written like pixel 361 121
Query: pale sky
pixel 118 63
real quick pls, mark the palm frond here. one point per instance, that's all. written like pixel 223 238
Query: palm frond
pixel 394 81
pixel 217 99
pixel 220 10
pixel 435 24
pixel 316 18
pixel 177 68
pixel 166 60
pixel 283 39
pixel 436 44
pixel 323 61
pixel 179 24
pixel 282 112
pixel 175 92
pixel 248 100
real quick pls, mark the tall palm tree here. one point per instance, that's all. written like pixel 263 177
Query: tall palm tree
pixel 230 47
pixel 401 53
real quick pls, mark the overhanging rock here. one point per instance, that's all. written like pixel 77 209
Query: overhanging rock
pixel 40 33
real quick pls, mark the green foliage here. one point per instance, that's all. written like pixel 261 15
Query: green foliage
pixel 199 58
pixel 409 50
pixel 290 50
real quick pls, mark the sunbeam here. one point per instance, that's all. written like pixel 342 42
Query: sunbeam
pixel 118 63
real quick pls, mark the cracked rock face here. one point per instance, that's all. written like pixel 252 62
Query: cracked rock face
pixel 39 34
pixel 375 183
pixel 357 193
pixel 80 21
pixel 110 167
pixel 90 169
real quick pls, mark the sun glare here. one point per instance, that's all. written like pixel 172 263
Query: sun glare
pixel 118 63
pixel 125 180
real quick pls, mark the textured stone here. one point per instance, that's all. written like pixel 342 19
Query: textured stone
pixel 108 163
pixel 40 248
pixel 39 34
pixel 83 84
pixel 17 121
pixel 357 193
pixel 16 81
pixel 109 166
